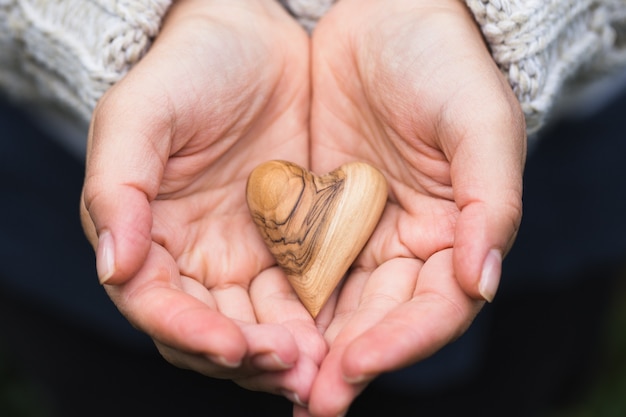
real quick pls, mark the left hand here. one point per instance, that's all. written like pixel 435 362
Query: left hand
pixel 409 86
pixel 223 88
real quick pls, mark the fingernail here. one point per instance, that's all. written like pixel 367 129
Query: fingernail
pixel 294 398
pixel 490 276
pixel 222 361
pixel 270 361
pixel 105 257
pixel 355 380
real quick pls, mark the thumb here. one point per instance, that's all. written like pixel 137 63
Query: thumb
pixel 486 171
pixel 125 160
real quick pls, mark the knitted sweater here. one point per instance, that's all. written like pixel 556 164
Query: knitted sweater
pixel 70 52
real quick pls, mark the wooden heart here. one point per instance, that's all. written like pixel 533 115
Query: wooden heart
pixel 315 226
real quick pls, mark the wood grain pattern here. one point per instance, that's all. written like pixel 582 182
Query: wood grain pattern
pixel 315 226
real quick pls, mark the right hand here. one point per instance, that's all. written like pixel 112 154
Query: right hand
pixel 224 87
pixel 410 86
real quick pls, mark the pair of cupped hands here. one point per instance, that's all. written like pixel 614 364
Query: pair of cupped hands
pixel 406 85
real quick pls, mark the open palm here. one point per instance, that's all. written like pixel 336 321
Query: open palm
pixel 411 88
pixel 406 85
pixel 224 88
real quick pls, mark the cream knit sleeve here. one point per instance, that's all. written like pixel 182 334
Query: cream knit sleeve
pixel 541 46
pixel 546 46
pixel 72 51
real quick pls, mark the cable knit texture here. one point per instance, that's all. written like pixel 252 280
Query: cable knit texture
pixel 72 51
pixel 308 12
pixel 540 44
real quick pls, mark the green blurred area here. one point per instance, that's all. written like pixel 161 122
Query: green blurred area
pixel 605 396
pixel 18 396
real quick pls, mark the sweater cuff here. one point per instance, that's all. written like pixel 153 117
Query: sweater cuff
pixel 307 12
pixel 72 51
pixel 542 46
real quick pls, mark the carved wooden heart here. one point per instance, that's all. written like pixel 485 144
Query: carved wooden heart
pixel 315 226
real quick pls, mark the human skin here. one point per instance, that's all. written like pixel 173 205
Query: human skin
pixel 410 87
pixel 224 88
pixel 407 85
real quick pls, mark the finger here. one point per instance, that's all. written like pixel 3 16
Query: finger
pixel 125 161
pixel 234 301
pixel 260 368
pixel 389 286
pixel 300 411
pixel 214 367
pixel 293 384
pixel 332 394
pixel 270 346
pixel 275 302
pixel 487 161
pixel 438 313
pixel 154 301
